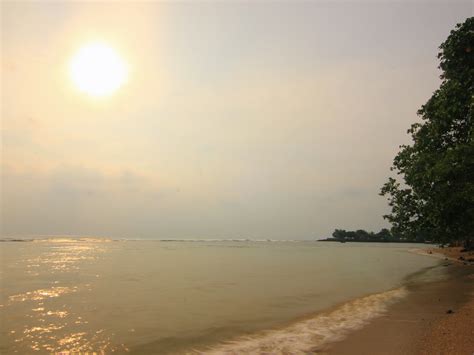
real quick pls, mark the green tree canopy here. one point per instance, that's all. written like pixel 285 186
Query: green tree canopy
pixel 433 197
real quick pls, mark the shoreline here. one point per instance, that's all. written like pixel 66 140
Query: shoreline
pixel 435 318
pixel 448 253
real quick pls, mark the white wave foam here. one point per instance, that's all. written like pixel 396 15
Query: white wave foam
pixel 311 334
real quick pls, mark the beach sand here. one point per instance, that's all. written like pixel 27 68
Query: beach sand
pixel 435 318
pixel 454 254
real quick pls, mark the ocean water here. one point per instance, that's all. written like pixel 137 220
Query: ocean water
pixel 134 296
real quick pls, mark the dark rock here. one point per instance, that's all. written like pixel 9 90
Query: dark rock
pixel 449 311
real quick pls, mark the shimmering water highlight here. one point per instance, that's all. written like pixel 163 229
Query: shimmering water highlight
pixel 98 295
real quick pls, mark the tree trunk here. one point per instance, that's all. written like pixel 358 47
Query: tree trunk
pixel 468 245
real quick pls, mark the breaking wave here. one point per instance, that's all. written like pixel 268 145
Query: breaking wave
pixel 312 334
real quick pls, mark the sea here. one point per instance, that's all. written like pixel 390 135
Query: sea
pixel 96 295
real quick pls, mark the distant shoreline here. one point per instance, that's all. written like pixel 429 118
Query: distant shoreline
pixel 374 241
pixel 191 240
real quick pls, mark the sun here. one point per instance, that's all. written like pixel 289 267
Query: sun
pixel 98 70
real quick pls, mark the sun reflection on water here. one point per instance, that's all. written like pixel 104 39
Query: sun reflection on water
pixel 64 258
pixel 41 294
pixel 45 320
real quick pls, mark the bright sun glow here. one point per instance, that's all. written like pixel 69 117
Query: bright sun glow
pixel 98 70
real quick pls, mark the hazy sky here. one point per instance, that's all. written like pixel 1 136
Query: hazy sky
pixel 239 120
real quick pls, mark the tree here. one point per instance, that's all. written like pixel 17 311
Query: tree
pixel 339 234
pixel 435 199
pixel 361 235
pixel 384 235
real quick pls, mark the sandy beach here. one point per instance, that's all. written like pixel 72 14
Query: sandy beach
pixel 436 318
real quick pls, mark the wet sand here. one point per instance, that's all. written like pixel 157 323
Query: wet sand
pixel 420 323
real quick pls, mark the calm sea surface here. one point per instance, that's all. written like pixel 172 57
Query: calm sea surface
pixel 185 297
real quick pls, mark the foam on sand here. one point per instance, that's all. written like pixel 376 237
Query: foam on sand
pixel 313 333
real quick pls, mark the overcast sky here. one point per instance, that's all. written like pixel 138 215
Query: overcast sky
pixel 238 120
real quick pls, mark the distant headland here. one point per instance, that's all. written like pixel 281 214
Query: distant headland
pixel 360 235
